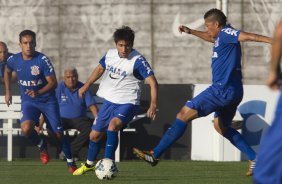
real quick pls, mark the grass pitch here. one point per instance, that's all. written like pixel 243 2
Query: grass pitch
pixel 130 172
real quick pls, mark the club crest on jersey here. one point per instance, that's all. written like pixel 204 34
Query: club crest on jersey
pixel 35 70
pixel 64 97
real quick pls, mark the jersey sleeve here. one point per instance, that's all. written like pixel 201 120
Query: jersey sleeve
pixel 10 63
pixel 89 99
pixel 102 61
pixel 2 68
pixel 229 35
pixel 142 69
pixel 48 68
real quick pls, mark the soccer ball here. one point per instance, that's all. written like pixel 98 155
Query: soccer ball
pixel 106 169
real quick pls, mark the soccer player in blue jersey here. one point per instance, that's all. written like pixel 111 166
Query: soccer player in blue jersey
pixel 37 80
pixel 122 70
pixel 224 94
pixel 269 162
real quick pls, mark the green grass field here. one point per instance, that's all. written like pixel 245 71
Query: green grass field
pixel 166 172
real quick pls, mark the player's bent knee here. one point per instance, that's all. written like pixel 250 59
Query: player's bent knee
pixel 96 136
pixel 115 125
pixel 186 114
pixel 27 128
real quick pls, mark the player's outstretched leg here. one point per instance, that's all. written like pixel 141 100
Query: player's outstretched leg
pixel 238 141
pixel 172 134
pixel 93 150
pixel 252 165
pixel 146 156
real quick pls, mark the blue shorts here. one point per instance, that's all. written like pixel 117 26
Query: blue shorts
pixel 31 110
pixel 109 110
pixel 269 163
pixel 223 102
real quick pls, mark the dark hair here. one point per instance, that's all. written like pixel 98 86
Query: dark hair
pixel 124 33
pixel 216 15
pixel 27 32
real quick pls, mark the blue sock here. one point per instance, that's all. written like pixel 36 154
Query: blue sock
pixel 111 144
pixel 93 150
pixel 238 141
pixel 37 140
pixel 172 134
pixel 66 148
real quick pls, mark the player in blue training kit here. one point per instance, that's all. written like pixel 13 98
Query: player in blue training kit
pixel 37 80
pixel 222 97
pixel 269 162
pixel 123 70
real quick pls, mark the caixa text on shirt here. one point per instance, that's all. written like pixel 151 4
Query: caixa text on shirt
pixel 31 83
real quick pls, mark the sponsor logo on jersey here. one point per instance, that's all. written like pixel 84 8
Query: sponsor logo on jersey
pixel 216 42
pixel 145 64
pixel 47 61
pixel 35 70
pixel 214 55
pixel 230 31
pixel 115 73
pixel 30 83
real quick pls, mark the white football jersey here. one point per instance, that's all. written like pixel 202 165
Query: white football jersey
pixel 118 84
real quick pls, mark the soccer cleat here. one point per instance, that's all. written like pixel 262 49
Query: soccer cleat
pixel 83 169
pixel 71 167
pixel 252 165
pixel 146 156
pixel 44 157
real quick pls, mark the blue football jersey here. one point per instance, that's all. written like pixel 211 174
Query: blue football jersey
pixel 71 105
pixel 226 58
pixel 3 65
pixel 32 74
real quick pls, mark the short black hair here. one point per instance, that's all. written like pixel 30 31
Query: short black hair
pixel 27 32
pixel 216 15
pixel 124 33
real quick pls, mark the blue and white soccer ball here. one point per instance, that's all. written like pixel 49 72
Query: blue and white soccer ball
pixel 106 169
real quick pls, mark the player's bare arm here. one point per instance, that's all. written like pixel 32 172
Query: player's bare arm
pixel 276 52
pixel 151 80
pixel 96 74
pixel 201 34
pixel 94 110
pixel 7 80
pixel 245 36
pixel 51 85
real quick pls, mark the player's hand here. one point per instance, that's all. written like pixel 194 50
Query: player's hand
pixel 39 129
pixel 273 81
pixel 82 91
pixel 8 99
pixel 31 93
pixel 185 29
pixel 151 113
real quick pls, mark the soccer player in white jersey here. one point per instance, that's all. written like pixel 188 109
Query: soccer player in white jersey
pixel 123 70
